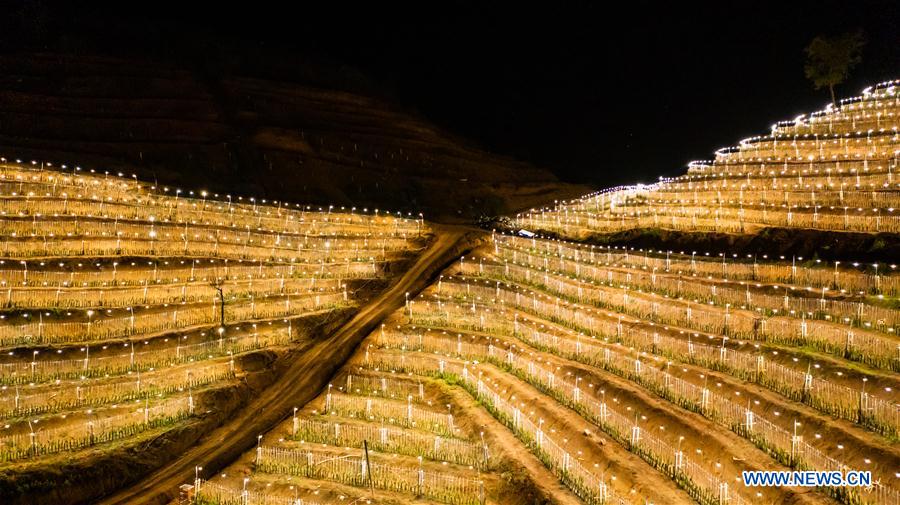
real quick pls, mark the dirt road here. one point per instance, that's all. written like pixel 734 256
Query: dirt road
pixel 300 383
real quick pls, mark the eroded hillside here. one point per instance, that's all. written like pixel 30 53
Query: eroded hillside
pixel 273 139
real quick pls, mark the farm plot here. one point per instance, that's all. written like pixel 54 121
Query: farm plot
pixel 373 433
pixel 690 362
pixel 819 171
pixel 123 302
pixel 629 386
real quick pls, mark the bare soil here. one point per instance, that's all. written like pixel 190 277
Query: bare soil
pixel 303 377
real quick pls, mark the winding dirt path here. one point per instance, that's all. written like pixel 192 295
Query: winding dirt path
pixel 301 381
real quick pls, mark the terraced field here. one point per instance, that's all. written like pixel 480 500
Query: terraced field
pixel 125 307
pixel 630 375
pixel 626 393
pixel 260 352
pixel 833 169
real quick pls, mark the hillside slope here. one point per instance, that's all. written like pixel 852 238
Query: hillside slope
pixel 820 184
pixel 276 140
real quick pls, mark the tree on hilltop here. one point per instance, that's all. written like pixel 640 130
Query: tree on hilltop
pixel 830 59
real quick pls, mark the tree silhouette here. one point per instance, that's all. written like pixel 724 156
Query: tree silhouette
pixel 217 283
pixel 830 59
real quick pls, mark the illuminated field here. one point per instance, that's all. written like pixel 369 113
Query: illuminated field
pixel 602 363
pixel 835 169
pixel 123 303
pixel 344 355
pixel 631 375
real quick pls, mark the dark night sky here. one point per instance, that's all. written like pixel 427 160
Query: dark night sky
pixel 596 94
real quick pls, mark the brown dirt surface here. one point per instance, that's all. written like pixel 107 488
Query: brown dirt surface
pixel 274 139
pixel 301 381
